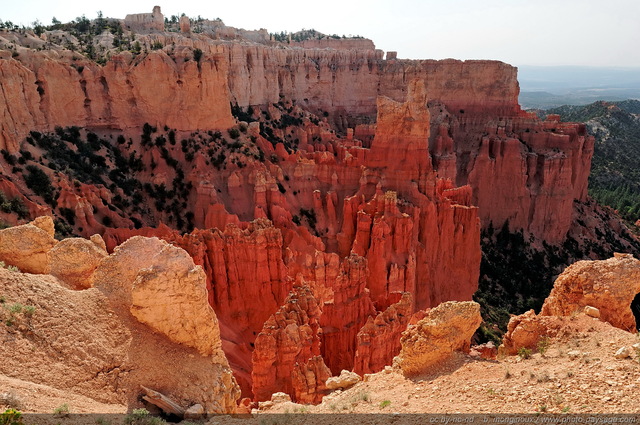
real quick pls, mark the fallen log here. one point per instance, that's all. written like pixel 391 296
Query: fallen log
pixel 167 405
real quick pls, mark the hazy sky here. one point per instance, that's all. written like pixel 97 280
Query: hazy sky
pixel 520 32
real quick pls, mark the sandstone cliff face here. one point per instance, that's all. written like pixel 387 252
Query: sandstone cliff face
pixel 483 138
pixel 341 82
pixel 487 87
pixel 44 91
pixel 356 77
pixel 19 99
pixel 145 21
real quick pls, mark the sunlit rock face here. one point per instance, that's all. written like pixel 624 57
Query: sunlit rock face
pixel 315 257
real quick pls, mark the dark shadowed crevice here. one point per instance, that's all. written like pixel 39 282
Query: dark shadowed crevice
pixel 635 309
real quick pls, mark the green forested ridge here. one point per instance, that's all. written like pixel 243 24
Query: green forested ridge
pixel 615 170
pixel 517 271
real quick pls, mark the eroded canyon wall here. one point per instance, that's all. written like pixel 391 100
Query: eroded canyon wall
pixel 317 254
pixel 43 90
pixel 521 169
pixel 388 235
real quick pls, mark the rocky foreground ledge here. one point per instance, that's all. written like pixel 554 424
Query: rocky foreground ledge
pixel 105 325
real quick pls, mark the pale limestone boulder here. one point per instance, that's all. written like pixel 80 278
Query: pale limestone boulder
pixel 27 246
pixel 280 397
pixel 98 241
pixel 574 354
pixel 74 260
pixel 525 330
pixel 45 223
pixel 623 353
pixel 345 380
pixel 157 286
pixel 445 329
pixel 592 312
pixel 265 405
pixel 165 290
pixel 194 412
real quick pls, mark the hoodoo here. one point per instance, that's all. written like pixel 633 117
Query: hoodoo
pixel 317 197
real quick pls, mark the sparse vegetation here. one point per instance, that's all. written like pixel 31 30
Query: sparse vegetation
pixel 62 229
pixel 38 181
pixel 13 205
pixel 16 308
pixel 543 377
pixel 15 313
pixel 303 409
pixel 9 267
pixel 524 353
pixel 103 421
pixel 362 395
pixel 197 55
pixel 385 403
pixel 310 217
pixel 11 417
pixel 234 133
pixel 62 411
pixel 543 344
pixel 142 417
pixel 311 34
pixel 507 373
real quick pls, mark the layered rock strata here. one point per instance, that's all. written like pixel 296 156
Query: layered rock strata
pixel 376 225
pixel 381 238
pixel 480 136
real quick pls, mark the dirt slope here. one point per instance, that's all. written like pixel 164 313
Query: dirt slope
pixel 578 373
